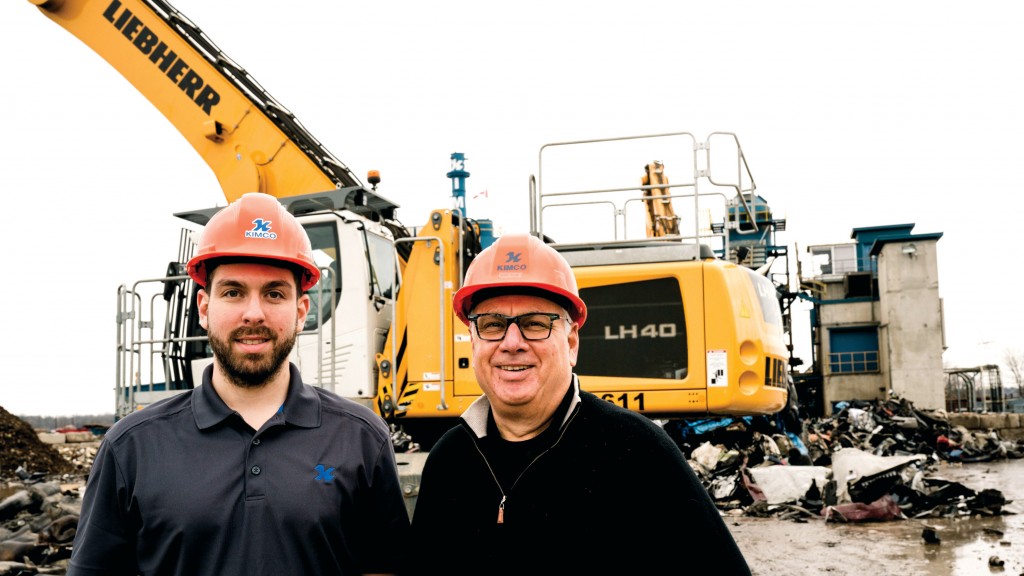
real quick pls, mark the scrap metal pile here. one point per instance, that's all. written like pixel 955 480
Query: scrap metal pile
pixel 869 461
pixel 40 499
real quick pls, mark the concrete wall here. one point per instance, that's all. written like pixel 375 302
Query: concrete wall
pixel 855 387
pixel 911 320
pixel 1008 426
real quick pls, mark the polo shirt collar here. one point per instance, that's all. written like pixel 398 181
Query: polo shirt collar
pixel 301 405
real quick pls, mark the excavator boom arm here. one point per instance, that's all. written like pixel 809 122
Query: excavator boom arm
pixel 249 140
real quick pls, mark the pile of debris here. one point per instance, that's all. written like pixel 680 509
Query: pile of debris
pixel 40 487
pixel 870 461
pixel 22 448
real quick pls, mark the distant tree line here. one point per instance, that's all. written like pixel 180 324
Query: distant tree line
pixel 77 421
pixel 1014 360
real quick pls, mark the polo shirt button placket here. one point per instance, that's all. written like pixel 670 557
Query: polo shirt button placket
pixel 255 469
pixel 254 484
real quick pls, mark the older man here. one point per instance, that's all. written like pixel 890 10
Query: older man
pixel 541 476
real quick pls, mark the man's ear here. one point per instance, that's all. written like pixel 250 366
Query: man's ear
pixel 303 310
pixel 203 307
pixel 574 343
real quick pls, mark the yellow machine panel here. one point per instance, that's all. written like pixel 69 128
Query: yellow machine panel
pixel 679 338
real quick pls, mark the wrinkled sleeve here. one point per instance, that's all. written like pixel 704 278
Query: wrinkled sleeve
pixel 385 517
pixel 428 521
pixel 104 542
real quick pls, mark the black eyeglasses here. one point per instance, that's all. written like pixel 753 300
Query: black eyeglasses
pixel 533 326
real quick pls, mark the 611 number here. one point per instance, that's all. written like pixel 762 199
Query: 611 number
pixel 624 400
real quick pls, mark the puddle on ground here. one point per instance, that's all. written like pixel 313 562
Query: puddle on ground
pixel 778 547
pixel 964 545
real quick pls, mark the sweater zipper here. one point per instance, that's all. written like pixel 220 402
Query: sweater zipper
pixel 501 505
pixel 504 497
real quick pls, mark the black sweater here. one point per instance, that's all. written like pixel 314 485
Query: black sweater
pixel 612 495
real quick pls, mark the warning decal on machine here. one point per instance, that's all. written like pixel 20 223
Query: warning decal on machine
pixel 718 368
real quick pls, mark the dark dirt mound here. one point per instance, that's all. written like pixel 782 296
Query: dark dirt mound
pixel 21 446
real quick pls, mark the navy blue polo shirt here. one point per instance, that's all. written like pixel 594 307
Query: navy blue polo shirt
pixel 186 487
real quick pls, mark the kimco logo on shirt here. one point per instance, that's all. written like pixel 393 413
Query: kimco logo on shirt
pixel 261 229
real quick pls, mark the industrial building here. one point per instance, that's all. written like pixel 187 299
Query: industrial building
pixel 876 322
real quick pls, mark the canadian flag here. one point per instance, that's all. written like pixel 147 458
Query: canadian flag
pixel 480 194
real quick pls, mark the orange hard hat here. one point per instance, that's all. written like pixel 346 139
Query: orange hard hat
pixel 255 226
pixel 520 264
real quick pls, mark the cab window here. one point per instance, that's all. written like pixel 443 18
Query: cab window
pixel 634 330
pixel 324 239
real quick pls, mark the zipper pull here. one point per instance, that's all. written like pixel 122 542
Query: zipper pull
pixel 501 510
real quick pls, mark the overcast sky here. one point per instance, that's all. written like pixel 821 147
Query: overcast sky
pixel 850 115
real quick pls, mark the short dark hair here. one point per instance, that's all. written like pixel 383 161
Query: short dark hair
pixel 297 271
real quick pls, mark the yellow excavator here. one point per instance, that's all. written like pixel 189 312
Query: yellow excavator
pixel 676 328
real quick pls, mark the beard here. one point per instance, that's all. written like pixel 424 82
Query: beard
pixel 251 370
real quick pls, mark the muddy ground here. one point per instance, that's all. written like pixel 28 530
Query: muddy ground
pixel 966 547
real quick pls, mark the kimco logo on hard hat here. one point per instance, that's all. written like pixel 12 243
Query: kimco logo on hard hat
pixel 512 263
pixel 261 229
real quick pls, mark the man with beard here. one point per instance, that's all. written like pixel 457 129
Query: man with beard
pixel 252 472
